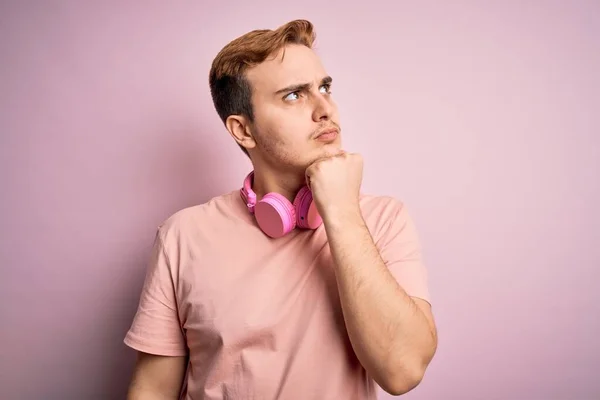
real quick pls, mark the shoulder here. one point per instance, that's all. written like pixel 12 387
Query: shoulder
pixel 195 221
pixel 383 213
pixel 381 208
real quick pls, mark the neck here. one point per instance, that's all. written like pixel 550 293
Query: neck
pixel 286 184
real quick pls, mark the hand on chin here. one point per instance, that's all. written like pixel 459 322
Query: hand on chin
pixel 335 180
pixel 328 151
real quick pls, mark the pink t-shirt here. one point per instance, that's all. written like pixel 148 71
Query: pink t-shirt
pixel 260 318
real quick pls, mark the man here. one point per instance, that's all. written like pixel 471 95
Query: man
pixel 265 294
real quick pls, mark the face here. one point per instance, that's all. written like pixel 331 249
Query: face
pixel 295 118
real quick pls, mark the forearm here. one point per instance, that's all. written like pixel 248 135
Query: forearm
pixel 390 335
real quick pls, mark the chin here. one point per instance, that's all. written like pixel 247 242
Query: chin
pixel 323 152
pixel 328 148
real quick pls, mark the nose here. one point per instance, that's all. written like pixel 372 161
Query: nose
pixel 323 108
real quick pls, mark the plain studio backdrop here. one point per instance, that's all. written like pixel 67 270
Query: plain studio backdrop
pixel 483 117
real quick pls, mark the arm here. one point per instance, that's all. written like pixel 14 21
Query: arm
pixel 157 377
pixel 156 332
pixel 393 335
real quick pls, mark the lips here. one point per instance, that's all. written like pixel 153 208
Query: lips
pixel 327 135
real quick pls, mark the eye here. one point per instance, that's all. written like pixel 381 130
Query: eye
pixel 292 96
pixel 325 88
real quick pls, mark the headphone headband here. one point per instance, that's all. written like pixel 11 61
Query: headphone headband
pixel 247 194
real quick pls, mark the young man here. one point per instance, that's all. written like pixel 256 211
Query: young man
pixel 275 291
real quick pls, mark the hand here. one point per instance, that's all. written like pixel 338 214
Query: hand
pixel 335 183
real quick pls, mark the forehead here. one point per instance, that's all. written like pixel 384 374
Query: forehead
pixel 299 64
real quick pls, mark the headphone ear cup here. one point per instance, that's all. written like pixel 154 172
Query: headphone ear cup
pixel 275 215
pixel 307 216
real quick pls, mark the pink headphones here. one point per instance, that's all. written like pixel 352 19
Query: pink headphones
pixel 275 215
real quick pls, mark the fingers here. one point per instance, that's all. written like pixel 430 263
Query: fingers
pixel 327 156
pixel 330 153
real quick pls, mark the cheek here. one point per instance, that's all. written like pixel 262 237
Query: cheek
pixel 268 135
pixel 283 129
pixel 291 132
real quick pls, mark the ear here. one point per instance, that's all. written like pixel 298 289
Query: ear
pixel 240 129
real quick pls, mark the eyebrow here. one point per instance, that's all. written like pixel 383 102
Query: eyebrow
pixel 303 86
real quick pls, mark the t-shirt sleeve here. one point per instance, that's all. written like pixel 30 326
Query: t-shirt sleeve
pixel 156 328
pixel 400 249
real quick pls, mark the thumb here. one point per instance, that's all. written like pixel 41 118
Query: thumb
pixel 307 174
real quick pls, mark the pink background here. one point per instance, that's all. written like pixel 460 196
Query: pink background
pixel 482 116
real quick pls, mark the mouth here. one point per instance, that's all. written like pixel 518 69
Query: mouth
pixel 328 135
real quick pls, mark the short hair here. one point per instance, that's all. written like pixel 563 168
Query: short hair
pixel 230 89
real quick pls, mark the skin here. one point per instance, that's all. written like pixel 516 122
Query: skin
pixel 393 335
pixel 280 140
pixel 157 377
